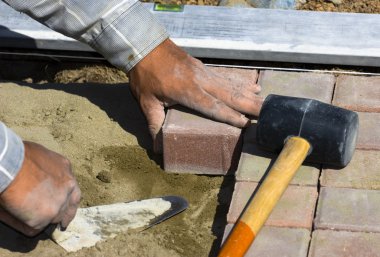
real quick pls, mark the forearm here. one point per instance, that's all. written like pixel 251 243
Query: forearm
pixel 11 156
pixel 124 32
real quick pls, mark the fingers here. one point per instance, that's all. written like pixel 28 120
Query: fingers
pixel 214 108
pixel 154 113
pixel 16 224
pixel 68 210
pixel 72 208
pixel 239 97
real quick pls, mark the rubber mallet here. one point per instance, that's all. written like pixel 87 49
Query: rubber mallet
pixel 303 129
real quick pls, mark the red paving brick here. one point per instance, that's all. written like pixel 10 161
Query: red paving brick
pixel 238 76
pixel 300 84
pixel 193 144
pixel 362 172
pixel 328 243
pixel 358 93
pixel 254 163
pixel 278 242
pixel 348 209
pixel 295 208
pixel 369 131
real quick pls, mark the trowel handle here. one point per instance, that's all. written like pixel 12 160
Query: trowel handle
pixel 260 207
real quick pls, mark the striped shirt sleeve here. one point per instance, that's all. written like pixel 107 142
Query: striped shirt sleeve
pixel 123 31
pixel 11 156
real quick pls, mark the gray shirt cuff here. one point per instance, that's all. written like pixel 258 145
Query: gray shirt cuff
pixel 11 156
pixel 129 35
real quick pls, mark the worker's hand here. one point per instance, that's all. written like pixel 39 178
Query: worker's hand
pixel 169 76
pixel 43 192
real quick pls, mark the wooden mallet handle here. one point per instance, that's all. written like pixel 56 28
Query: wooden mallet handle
pixel 260 207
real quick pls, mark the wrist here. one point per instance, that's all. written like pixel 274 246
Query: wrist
pixel 11 156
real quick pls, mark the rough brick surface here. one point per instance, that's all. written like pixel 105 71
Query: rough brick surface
pixel 295 208
pixel 276 242
pixel 236 75
pixel 369 131
pixel 344 244
pixel 358 93
pixel 348 209
pixel 254 163
pixel 362 172
pixel 300 84
pixel 193 144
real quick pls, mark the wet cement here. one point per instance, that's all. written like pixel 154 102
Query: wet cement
pixel 100 128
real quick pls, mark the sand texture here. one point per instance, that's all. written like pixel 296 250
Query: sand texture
pixel 100 128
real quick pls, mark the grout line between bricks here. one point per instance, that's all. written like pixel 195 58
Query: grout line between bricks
pixel 348 230
pixel 334 88
pixel 315 208
pixel 345 187
pixel 258 76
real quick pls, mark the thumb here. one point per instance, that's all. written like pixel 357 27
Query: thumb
pixel 155 115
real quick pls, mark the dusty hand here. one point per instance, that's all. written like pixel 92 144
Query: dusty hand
pixel 44 192
pixel 169 76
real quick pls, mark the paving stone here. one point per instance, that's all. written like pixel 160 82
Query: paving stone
pixel 358 93
pixel 348 209
pixel 255 162
pixel 369 132
pixel 300 84
pixel 362 172
pixel 295 208
pixel 194 144
pixel 344 244
pixel 277 242
pixel 237 75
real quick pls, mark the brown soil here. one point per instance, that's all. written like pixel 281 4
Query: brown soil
pixel 188 2
pixel 362 6
pixel 100 128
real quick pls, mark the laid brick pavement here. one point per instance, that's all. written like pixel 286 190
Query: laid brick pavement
pixel 358 93
pixel 347 221
pixel 275 241
pixel 360 173
pixel 369 131
pixel 254 163
pixel 344 244
pixel 300 84
pixel 348 209
pixel 295 208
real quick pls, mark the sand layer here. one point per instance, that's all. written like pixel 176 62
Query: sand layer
pixel 100 128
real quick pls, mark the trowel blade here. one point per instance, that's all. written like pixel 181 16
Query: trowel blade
pixel 94 224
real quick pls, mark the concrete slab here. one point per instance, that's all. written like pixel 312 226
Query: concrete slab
pixel 295 208
pixel 361 173
pixel 344 244
pixel 275 242
pixel 358 93
pixel 348 209
pixel 300 84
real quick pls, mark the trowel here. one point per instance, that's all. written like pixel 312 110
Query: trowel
pixel 98 223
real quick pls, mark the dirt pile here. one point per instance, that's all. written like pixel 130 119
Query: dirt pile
pixel 363 6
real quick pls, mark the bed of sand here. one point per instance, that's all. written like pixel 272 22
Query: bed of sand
pixel 100 128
